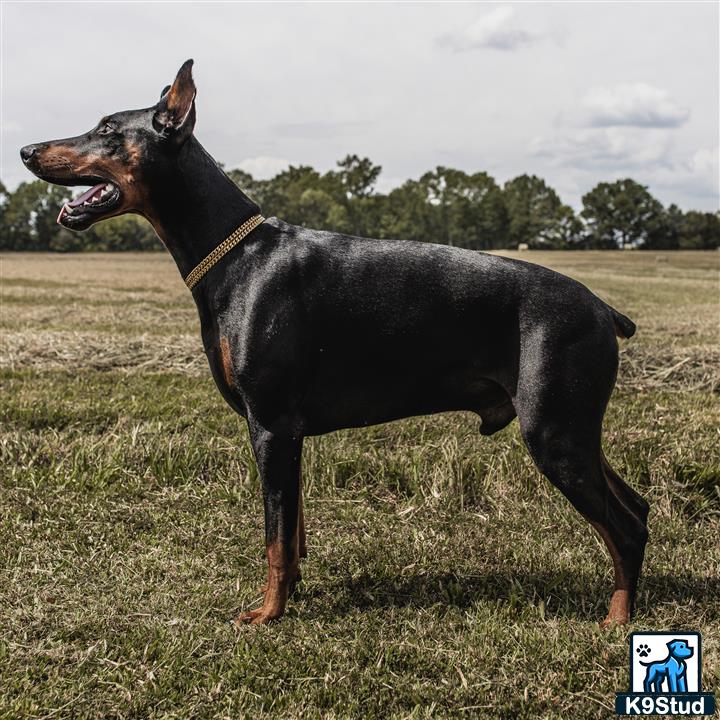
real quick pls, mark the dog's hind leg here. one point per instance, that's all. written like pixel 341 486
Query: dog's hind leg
pixel 634 501
pixel 560 403
pixel 574 467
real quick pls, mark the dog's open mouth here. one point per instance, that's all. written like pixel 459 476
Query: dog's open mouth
pixel 98 200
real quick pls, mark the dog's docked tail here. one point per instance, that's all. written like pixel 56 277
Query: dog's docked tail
pixel 624 326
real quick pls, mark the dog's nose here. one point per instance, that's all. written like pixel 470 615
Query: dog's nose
pixel 27 152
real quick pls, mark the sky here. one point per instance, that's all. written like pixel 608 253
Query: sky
pixel 573 92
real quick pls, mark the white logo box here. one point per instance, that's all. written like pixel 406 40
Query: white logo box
pixel 658 651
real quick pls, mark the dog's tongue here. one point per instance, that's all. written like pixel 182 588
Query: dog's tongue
pixel 86 195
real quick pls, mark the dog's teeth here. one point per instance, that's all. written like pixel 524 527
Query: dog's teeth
pixel 64 210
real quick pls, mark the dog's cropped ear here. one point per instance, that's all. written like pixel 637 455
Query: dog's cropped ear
pixel 165 91
pixel 175 112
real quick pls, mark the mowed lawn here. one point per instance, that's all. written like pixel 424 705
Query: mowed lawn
pixel 445 578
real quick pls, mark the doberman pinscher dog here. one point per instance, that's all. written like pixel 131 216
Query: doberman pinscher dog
pixel 307 332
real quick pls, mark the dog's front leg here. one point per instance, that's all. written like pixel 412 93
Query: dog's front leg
pixel 278 454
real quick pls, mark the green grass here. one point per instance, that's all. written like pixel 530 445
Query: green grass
pixel 446 578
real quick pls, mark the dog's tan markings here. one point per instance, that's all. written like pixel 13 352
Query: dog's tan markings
pixel 301 542
pixel 621 601
pixel 65 163
pixel 126 173
pixel 283 574
pixel 131 173
pixel 226 361
pixel 61 162
pixel 619 611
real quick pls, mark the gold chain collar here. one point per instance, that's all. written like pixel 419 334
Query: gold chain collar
pixel 196 274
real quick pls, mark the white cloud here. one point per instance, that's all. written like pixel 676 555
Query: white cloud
pixel 582 158
pixel 705 163
pixel 698 175
pixel 494 30
pixel 604 147
pixel 629 130
pixel 637 104
pixel 263 167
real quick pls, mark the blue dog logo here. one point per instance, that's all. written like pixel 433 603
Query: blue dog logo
pixel 667 686
pixel 672 670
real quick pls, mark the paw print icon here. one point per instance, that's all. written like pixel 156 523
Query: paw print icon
pixel 643 650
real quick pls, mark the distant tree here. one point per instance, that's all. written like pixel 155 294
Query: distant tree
pixel 358 176
pixel 29 216
pixel 565 230
pixel 699 231
pixel 537 216
pixel 126 232
pixel 369 215
pixel 319 210
pixel 667 235
pixel 302 196
pixel 621 214
pixel 445 206
pixel 406 214
pixel 467 210
pixel 283 192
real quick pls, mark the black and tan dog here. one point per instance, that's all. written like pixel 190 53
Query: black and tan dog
pixel 307 332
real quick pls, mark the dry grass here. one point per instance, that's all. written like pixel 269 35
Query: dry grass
pixel 445 578
pixel 62 349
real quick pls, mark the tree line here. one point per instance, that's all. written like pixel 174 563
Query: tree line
pixel 448 206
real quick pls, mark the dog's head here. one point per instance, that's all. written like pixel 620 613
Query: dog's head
pixel 679 649
pixel 120 157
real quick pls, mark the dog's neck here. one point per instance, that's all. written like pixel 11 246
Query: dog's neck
pixel 196 206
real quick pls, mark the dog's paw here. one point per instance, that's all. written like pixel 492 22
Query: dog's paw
pixel 261 616
pixel 643 650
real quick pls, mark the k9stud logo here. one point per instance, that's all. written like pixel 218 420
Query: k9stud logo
pixel 665 676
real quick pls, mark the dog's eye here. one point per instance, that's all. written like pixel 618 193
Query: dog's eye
pixel 106 129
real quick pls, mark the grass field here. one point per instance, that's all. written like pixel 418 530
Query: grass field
pixel 446 577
